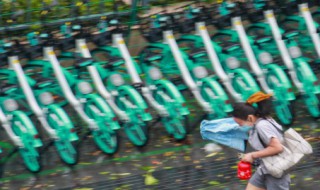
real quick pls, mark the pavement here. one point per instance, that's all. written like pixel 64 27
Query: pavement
pixel 162 164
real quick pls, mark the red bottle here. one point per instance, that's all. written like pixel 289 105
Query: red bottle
pixel 244 170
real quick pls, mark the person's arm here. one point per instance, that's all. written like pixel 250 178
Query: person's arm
pixel 273 148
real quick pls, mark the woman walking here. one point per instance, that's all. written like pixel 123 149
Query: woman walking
pixel 265 138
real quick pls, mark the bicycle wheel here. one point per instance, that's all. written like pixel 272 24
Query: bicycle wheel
pixel 285 112
pixel 64 146
pixel 67 152
pixel 175 124
pixel 177 127
pixel 107 142
pixel 137 133
pixel 313 104
pixel 215 102
pixel 137 128
pixel 105 138
pixel 29 153
pixel 31 159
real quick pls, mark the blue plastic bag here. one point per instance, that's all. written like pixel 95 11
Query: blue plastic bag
pixel 226 132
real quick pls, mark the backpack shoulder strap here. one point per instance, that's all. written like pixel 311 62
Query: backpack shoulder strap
pixel 263 144
pixel 280 131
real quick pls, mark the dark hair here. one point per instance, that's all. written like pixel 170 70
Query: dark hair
pixel 242 110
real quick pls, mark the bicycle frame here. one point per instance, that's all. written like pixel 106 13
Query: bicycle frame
pixel 20 129
pixel 54 119
pixel 135 116
pixel 301 74
pixel 237 24
pixel 119 49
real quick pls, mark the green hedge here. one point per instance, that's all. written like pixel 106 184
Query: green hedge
pixel 32 9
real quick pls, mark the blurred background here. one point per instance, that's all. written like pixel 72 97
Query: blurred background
pixel 164 163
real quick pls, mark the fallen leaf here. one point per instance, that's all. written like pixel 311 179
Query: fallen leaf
pixel 121 174
pixel 86 178
pixel 155 162
pixel 25 188
pixel 113 177
pixel 146 168
pixel 96 153
pixel 212 154
pixel 234 167
pixel 104 173
pixel 38 186
pixel 220 158
pixel 308 179
pixel 214 183
pixel 168 153
pixel 150 180
pixel 123 187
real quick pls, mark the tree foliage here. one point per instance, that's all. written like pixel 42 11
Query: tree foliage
pixel 65 8
pixel 30 10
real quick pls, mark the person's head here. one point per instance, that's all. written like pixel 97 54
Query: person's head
pixel 245 114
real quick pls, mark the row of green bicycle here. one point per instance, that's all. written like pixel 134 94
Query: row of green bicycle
pixel 261 57
pixel 42 87
pixel 107 88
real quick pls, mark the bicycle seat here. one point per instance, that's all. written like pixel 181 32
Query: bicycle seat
pixel 290 33
pixel 66 43
pixel 222 22
pixel 83 62
pixel 43 82
pixel 177 80
pixel 255 16
pixel 101 39
pixel 33 52
pixel 226 46
pixel 277 60
pixel 151 56
pixel 114 62
pixel 196 52
pixel 262 39
pixel 153 35
pixel 5 89
pixel 3 59
pixel 138 86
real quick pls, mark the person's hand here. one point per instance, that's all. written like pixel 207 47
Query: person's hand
pixel 247 158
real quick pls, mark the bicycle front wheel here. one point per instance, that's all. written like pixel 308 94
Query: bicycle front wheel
pixel 284 112
pixel 66 150
pixel 106 139
pixel 31 161
pixel 137 133
pixel 313 104
pixel 31 158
